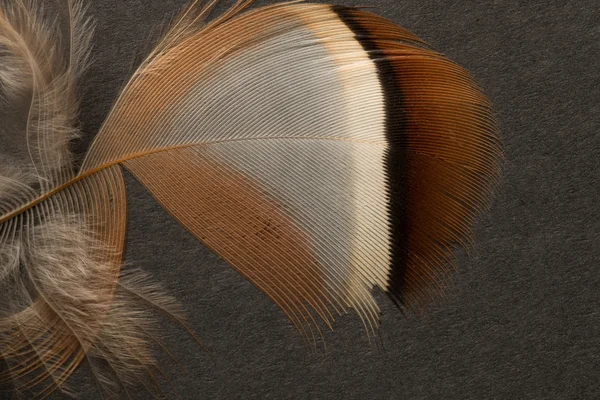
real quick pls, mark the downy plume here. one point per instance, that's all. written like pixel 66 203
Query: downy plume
pixel 64 297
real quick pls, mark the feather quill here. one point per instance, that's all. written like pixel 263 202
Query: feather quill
pixel 322 151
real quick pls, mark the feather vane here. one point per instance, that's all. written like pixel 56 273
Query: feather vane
pixel 322 151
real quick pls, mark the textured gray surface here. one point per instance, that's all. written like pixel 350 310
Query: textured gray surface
pixel 523 316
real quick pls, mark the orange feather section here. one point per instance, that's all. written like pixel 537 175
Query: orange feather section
pixel 231 214
pixel 444 157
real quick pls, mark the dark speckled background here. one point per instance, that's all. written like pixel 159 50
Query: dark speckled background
pixel 522 319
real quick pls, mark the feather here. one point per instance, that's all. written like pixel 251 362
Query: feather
pixel 322 151
pixel 376 149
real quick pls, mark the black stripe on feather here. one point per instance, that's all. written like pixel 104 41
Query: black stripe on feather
pixel 396 162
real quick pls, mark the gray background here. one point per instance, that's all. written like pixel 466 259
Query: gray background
pixel 522 318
